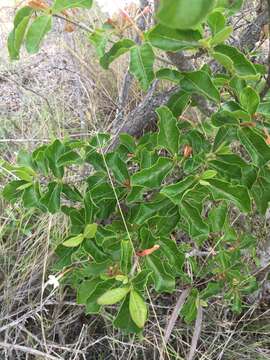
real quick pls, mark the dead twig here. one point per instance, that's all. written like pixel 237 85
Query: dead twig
pixel 196 334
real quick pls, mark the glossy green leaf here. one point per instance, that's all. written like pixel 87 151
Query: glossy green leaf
pixel 14 189
pixel 264 109
pixel 224 117
pixel 141 64
pixel 90 231
pixel 118 167
pixel 231 6
pixel 176 191
pixel 85 289
pixel 52 197
pixel 221 36
pixel 137 309
pixel 154 175
pixel 249 100
pixel 71 192
pixel 184 14
pixel 255 145
pixel 36 33
pixel 261 191
pixel 194 218
pixel 113 296
pixel 99 40
pixel 189 310
pixel 126 256
pixel 164 282
pixel 69 158
pixel 13 53
pixel 92 307
pixel 168 135
pixel 61 5
pixel 216 21
pixel 178 102
pixel 123 319
pixel 140 281
pixel 20 31
pixel 170 75
pixel 201 83
pixel 224 60
pixel 165 38
pixel 74 241
pixel 21 14
pixel 223 190
pixel 242 66
pixel 217 217
pixel 118 49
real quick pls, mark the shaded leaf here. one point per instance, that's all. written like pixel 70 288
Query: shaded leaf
pixel 168 135
pixel 141 64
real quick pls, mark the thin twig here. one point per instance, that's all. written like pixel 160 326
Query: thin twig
pixel 267 84
pixel 196 334
pixel 28 350
pixel 29 89
pixel 175 314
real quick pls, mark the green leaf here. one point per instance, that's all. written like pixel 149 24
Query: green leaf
pixel 118 167
pixel 238 194
pixel 20 32
pixel 31 196
pixel 250 100
pixel 61 5
pixel 224 135
pixel 189 310
pixel 255 145
pixel 194 218
pixel 13 190
pixel 99 40
pixel 52 197
pixel 137 309
pixel 36 33
pixel 153 176
pixel 118 49
pixel 221 36
pixel 69 158
pixel 13 53
pixel 242 66
pixel 71 193
pixel 74 241
pixel 184 14
pixel 123 319
pixel 141 64
pixel 178 102
pixel 261 190
pixel 217 217
pixel 113 296
pixel 90 231
pixel 224 117
pixel 21 14
pixel 165 38
pixel 264 109
pixel 231 6
pixel 92 307
pixel 200 82
pixel 139 282
pixel 224 60
pixel 170 75
pixel 163 281
pixel 168 135
pixel 176 191
pixel 126 256
pixel 85 289
pixel 216 21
